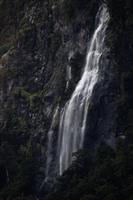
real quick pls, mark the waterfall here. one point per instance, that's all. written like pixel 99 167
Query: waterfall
pixel 50 144
pixel 74 115
pixel 49 153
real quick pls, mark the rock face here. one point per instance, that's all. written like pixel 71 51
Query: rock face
pixel 42 59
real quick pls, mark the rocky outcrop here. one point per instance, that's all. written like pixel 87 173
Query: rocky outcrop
pixel 42 62
pixel 42 68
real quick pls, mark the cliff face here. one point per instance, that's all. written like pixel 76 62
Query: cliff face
pixel 48 41
pixel 42 58
pixel 121 52
pixel 111 111
pixel 43 49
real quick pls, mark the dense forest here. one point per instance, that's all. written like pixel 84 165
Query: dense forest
pixel 38 41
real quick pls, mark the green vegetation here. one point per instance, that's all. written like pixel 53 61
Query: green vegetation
pixel 4 48
pixel 107 177
pixel 30 98
pixel 19 166
pixel 24 28
pixel 6 74
pixel 18 172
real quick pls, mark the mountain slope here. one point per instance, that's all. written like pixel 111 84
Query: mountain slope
pixel 39 42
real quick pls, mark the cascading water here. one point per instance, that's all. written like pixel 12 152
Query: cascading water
pixel 50 144
pixel 49 153
pixel 74 115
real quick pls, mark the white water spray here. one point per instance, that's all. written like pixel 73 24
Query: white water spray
pixel 74 115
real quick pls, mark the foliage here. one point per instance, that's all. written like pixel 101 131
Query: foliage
pixel 4 48
pixel 19 169
pixel 107 177
pixel 30 98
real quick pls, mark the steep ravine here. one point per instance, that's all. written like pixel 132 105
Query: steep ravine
pixel 43 48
